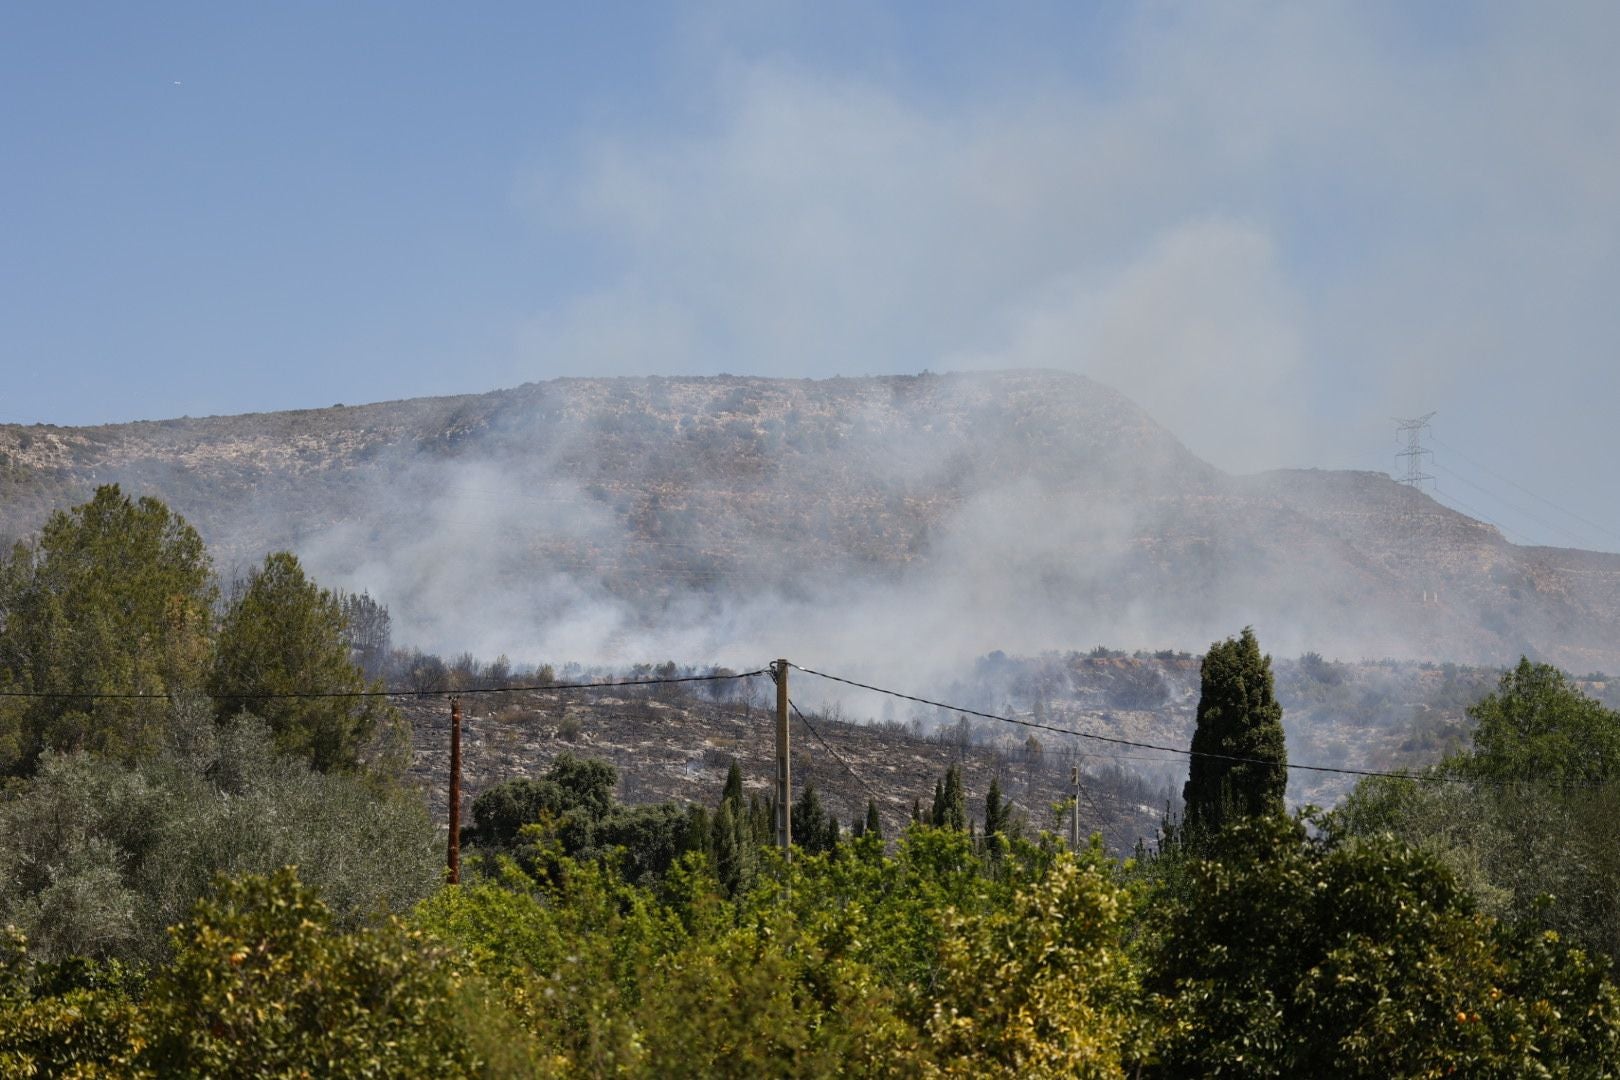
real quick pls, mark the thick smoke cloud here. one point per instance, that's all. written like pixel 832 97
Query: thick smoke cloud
pixel 507 549
pixel 1274 226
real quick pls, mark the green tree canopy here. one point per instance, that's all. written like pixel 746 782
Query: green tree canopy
pixel 1535 839
pixel 283 635
pixel 571 786
pixel 115 597
pixel 1238 718
pixel 264 984
pixel 1290 956
pixel 98 858
pixel 1538 726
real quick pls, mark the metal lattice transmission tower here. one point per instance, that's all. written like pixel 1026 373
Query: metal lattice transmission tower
pixel 1410 434
pixel 1414 451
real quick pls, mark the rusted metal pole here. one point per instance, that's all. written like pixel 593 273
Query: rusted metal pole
pixel 784 772
pixel 453 857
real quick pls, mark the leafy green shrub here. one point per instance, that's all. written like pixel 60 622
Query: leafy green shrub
pixel 1305 957
pixel 98 858
pixel 264 984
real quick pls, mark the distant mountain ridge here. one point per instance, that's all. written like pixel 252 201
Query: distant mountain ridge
pixel 980 506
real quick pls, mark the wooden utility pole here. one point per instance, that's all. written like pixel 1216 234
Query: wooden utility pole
pixel 784 774
pixel 1074 808
pixel 453 856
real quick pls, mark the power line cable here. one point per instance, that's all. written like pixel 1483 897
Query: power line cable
pixel 58 695
pixel 1576 537
pixel 836 755
pixel 1184 751
pixel 1456 505
pixel 1506 480
pixel 1095 809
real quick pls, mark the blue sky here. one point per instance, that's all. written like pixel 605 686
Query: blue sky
pixel 1274 225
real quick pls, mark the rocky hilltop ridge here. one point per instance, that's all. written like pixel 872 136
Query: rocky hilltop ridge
pixel 1022 504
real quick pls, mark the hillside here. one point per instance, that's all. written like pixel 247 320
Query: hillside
pixel 874 518
pixel 678 746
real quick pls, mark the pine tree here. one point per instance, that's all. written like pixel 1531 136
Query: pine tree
pixel 1238 717
pixel 115 596
pixel 283 634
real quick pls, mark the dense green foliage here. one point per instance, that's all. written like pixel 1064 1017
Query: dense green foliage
pixel 1532 828
pixel 98 858
pixel 1538 727
pixel 263 983
pixel 122 809
pixel 116 597
pixel 1287 956
pixel 1301 957
pixel 283 635
pixel 1238 768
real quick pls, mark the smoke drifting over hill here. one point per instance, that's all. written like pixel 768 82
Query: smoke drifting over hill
pixel 921 520
pixel 750 518
pixel 905 523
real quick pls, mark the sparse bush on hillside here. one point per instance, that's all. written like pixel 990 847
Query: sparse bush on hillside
pixel 1319 670
pixel 1138 686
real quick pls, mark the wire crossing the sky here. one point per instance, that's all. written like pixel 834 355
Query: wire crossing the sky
pixel 249 695
pixel 611 684
pixel 1115 740
pixel 1539 498
pixel 836 755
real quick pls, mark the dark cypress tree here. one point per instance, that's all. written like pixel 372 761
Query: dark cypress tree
pixel 874 826
pixel 936 816
pixel 951 806
pixel 699 830
pixel 1238 717
pixel 995 811
pixel 916 812
pixel 732 839
pixel 735 854
pixel 734 786
pixel 762 820
pixel 813 828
